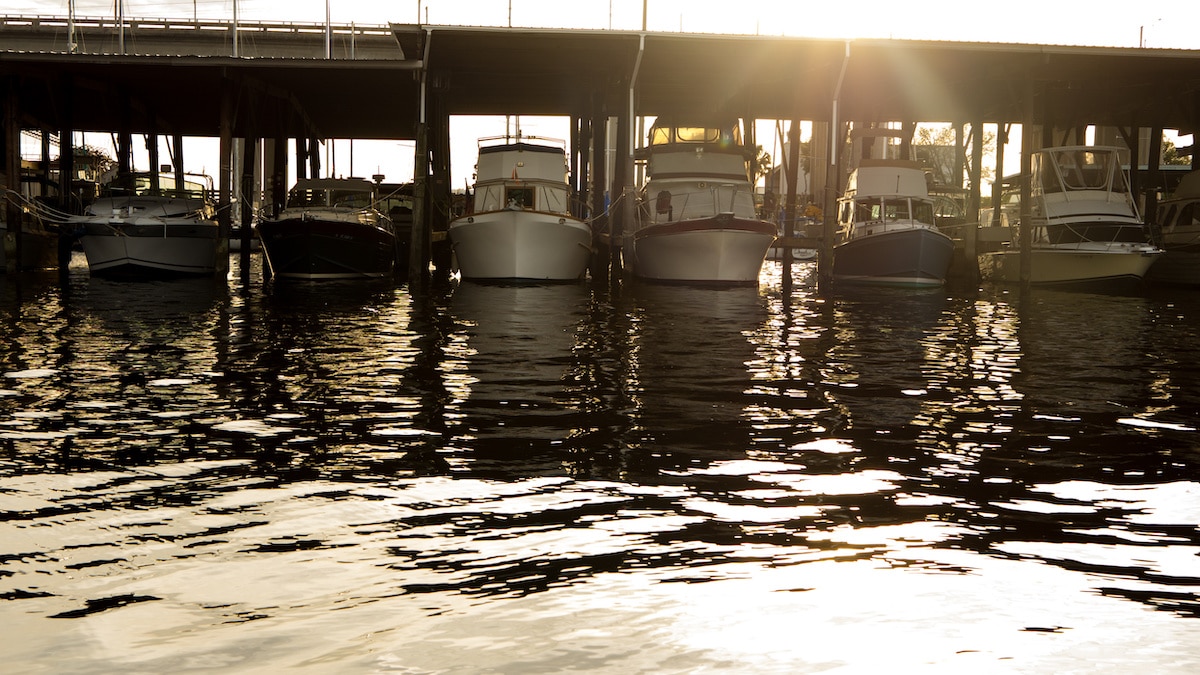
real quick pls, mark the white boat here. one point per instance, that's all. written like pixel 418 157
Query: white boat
pixel 887 232
pixel 1085 226
pixel 519 223
pixel 330 229
pixel 1178 234
pixel 136 230
pixel 696 216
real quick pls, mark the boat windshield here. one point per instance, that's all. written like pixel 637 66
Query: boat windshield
pixel 899 208
pixel 143 184
pixel 696 135
pixel 1079 169
pixel 355 199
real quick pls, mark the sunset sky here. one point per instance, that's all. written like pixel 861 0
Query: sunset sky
pixel 1099 22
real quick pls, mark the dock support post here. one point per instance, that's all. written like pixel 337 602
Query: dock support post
pixel 225 179
pixel 249 191
pixel 1153 174
pixel 178 167
pixel 439 188
pixel 971 231
pixel 420 226
pixel 1026 228
pixel 12 172
pixel 601 222
pixel 998 183
pixel 791 202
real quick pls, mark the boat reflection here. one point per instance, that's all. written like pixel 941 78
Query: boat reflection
pixel 514 374
pixel 689 356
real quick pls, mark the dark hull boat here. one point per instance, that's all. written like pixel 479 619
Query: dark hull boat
pixel 330 230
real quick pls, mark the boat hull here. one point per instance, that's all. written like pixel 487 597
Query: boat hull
pixel 132 249
pixel 519 244
pixel 914 257
pixel 721 249
pixel 314 249
pixel 1050 266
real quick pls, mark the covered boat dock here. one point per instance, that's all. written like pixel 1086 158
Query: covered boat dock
pixel 281 82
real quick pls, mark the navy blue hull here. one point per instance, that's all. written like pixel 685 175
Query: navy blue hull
pixel 916 257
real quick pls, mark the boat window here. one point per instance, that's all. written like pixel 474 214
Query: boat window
pixel 488 199
pixel 697 135
pixel 554 199
pixel 660 135
pixel 354 200
pixel 923 212
pixel 867 209
pixel 731 135
pixel 895 209
pixel 518 198
pixel 301 197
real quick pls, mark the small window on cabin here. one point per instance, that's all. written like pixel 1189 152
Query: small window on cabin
pixel 518 198
pixel 660 135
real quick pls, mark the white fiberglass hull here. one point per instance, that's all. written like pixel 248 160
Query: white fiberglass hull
pixel 519 244
pixel 1118 262
pixel 146 247
pixel 723 250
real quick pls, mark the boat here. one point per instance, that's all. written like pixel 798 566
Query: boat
pixel 887 233
pixel 139 227
pixel 1085 227
pixel 1177 233
pixel 519 224
pixel 696 218
pixel 329 228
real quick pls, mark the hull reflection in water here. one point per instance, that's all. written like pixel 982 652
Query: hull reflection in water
pixel 568 478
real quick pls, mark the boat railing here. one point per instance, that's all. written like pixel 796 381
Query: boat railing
pixel 508 139
pixel 1082 234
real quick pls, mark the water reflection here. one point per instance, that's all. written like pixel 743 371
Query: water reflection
pixel 644 478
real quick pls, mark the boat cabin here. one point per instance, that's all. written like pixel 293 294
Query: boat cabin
pixel 522 177
pixel 885 194
pixel 355 193
pixel 714 150
pixel 1081 194
pixel 142 183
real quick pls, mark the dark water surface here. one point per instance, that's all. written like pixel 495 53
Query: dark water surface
pixel 546 479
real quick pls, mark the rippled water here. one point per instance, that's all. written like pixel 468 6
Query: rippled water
pixel 197 476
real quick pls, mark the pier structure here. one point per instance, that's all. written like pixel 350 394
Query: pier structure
pixel 280 82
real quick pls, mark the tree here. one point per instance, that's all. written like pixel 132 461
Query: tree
pixel 935 146
pixel 762 164
pixel 93 160
pixel 1171 156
